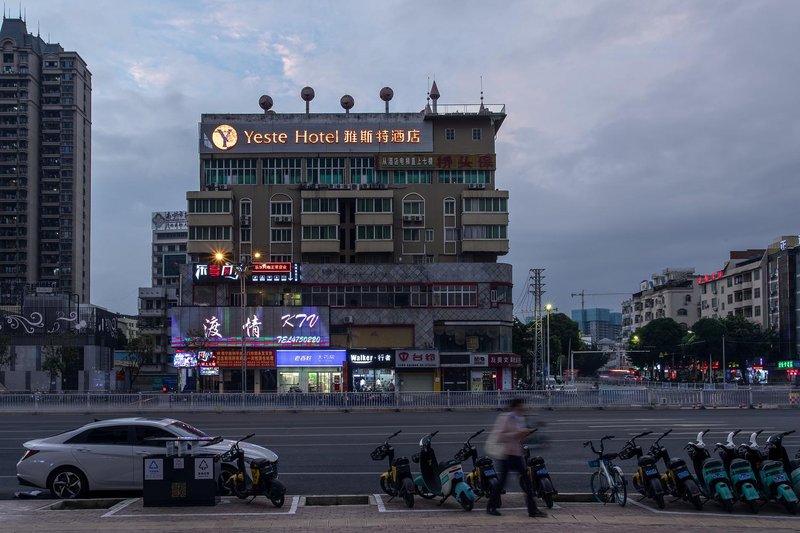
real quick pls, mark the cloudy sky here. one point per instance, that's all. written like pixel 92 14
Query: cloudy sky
pixel 640 135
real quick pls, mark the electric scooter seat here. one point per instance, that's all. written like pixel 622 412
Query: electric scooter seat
pixel 259 463
pixel 484 461
pixel 676 463
pixel 646 460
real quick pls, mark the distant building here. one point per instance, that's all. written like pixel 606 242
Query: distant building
pixel 671 294
pixel 783 293
pixel 168 253
pixel 45 166
pixel 739 288
pixel 598 323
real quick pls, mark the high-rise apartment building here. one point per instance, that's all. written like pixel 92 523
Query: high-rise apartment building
pixel 599 323
pixel 671 294
pixel 45 165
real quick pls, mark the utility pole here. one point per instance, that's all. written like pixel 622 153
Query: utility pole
pixel 535 276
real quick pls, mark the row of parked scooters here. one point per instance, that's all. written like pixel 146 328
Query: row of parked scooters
pixel 447 478
pixel 747 472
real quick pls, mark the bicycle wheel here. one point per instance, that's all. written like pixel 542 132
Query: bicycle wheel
pixel 620 488
pixel 600 488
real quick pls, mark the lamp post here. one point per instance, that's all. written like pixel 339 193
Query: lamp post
pixel 548 308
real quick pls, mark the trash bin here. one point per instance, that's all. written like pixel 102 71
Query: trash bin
pixel 171 480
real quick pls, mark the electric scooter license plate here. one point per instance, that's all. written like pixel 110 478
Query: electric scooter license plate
pixel 745 477
pixel 542 472
pixel 718 475
pixel 683 474
pixel 651 472
pixel 779 478
pixel 489 472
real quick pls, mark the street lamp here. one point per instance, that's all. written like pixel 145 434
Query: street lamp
pixel 241 270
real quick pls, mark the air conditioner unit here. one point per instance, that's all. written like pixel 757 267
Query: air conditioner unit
pixel 348 319
pixel 417 218
pixel 354 186
pixel 245 220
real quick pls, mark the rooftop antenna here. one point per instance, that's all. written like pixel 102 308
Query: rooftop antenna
pixel 434 94
pixel 482 109
pixel 347 102
pixel 428 97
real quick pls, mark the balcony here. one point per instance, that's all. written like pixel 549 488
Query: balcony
pixel 495 246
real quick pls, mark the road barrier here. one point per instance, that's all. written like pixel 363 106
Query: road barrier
pixel 582 398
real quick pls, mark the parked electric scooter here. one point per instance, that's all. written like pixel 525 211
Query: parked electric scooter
pixel 397 480
pixel 677 479
pixel 443 479
pixel 711 474
pixel 483 477
pixel 538 477
pixel 745 485
pixel 262 478
pixel 646 479
pixel 774 482
pixel 776 452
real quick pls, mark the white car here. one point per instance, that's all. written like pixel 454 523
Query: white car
pixel 107 455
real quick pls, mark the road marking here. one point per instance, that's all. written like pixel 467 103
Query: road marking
pixel 704 513
pixel 120 506
pixel 292 510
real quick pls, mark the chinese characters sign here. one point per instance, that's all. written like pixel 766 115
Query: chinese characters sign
pixel 415 135
pixel 258 327
pixel 709 277
pixel 257 273
pixel 371 358
pixel 437 162
pixel 416 358
pixel 505 359
pixel 311 357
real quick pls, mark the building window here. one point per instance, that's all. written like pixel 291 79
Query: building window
pixel 486 205
pixel 280 208
pixel 281 235
pixel 486 232
pixel 429 235
pixel 449 206
pixel 210 233
pixel 245 207
pixel 229 171
pixel 280 258
pixel 757 310
pixel 757 292
pixel 282 171
pixel 373 205
pixel 320 205
pixel 413 207
pixel 411 235
pixel 374 233
pixel 209 205
pixel 451 234
pixel 476 134
pixel 450 134
pixel 455 296
pixel 756 275
pixel 320 233
pixel 408 177
pixel 464 176
pixel 245 234
pixel 327 170
pixel 362 169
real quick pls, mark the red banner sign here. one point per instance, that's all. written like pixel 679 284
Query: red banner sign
pixel 256 358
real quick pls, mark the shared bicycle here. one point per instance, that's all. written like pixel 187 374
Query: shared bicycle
pixel 608 482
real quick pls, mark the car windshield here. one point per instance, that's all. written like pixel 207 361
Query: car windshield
pixel 185 430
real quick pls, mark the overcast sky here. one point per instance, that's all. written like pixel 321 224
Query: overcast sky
pixel 640 135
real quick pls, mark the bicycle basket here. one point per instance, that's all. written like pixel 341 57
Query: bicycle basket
pixel 594 463
pixel 378 454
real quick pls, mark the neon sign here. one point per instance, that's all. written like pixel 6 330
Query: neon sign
pixel 256 273
pixel 710 277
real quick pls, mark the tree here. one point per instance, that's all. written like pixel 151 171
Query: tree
pixel 658 337
pixel 54 364
pixel 565 336
pixel 139 352
pixel 745 342
pixel 588 364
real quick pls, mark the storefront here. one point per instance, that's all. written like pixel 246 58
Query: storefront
pixel 310 370
pixel 455 372
pixel 371 370
pixel 482 378
pixel 504 366
pixel 416 370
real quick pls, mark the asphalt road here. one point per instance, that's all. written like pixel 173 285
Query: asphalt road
pixel 328 453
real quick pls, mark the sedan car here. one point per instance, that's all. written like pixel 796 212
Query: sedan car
pixel 107 455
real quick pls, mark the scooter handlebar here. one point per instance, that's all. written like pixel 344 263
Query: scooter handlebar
pixel 393 435
pixel 475 435
pixel 662 436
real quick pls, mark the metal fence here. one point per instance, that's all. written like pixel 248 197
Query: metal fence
pixel 581 398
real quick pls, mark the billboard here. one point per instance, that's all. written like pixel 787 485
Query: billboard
pixel 267 327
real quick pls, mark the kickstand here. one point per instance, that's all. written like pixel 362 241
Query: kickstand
pixel 441 502
pixel 253 498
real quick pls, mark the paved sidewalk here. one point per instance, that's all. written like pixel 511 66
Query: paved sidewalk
pixel 378 514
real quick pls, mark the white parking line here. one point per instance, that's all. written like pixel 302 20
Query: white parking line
pixel 120 506
pixel 292 510
pixel 704 513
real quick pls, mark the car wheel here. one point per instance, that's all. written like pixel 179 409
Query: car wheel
pixel 224 479
pixel 68 483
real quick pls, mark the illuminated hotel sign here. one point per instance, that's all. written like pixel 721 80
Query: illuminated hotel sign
pixel 257 327
pixel 709 277
pixel 345 135
pixel 256 273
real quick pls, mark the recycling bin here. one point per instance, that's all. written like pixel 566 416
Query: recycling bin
pixel 170 480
